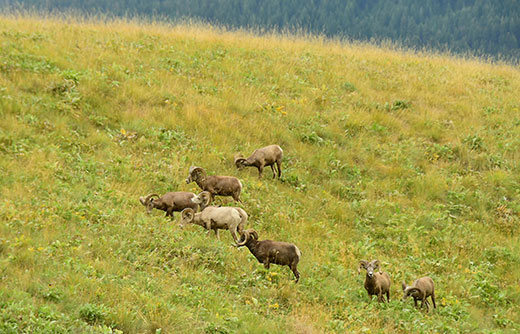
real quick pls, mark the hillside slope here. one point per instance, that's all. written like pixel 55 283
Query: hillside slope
pixel 410 159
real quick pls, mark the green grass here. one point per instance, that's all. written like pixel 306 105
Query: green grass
pixel 409 158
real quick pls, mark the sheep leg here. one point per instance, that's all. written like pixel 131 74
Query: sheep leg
pixel 433 300
pixel 260 171
pixel 415 302
pixel 295 272
pixel 266 263
pixel 234 233
pixel 427 304
pixel 388 296
pixel 279 164
pixel 216 233
pixel 272 168
pixel 422 303
pixel 380 297
pixel 237 198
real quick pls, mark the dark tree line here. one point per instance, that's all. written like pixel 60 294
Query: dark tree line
pixel 482 27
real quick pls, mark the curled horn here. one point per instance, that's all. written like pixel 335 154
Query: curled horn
pixel 203 199
pixel 238 158
pixel 206 197
pixel 254 234
pixel 376 264
pixel 245 235
pixel 194 169
pixel 145 199
pixel 187 215
pixel 362 264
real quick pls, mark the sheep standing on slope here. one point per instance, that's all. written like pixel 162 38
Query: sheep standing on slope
pixel 169 202
pixel 214 184
pixel 420 290
pixel 217 218
pixel 376 283
pixel 262 157
pixel 268 251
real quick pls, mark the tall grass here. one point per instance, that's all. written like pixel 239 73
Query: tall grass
pixel 409 158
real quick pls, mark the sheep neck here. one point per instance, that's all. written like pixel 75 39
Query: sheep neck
pixel 252 245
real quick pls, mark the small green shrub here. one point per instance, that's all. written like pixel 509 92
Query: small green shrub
pixel 93 313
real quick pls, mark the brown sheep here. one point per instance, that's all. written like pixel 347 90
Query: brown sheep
pixel 268 251
pixel 262 157
pixel 376 283
pixel 214 184
pixel 420 290
pixel 169 202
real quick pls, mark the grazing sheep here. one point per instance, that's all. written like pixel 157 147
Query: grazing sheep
pixel 420 290
pixel 215 185
pixel 215 218
pixel 169 202
pixel 376 283
pixel 268 251
pixel 262 157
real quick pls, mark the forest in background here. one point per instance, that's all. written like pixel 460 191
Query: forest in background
pixel 478 27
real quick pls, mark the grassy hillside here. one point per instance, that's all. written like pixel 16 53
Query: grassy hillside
pixel 410 159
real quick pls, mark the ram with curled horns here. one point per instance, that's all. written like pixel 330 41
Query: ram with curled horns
pixel 266 156
pixel 169 202
pixel 217 218
pixel 269 251
pixel 214 184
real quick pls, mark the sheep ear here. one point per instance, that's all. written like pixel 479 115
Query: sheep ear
pixel 403 285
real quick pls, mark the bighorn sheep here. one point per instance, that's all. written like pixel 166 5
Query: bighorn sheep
pixel 268 251
pixel 376 283
pixel 262 157
pixel 215 185
pixel 169 202
pixel 215 218
pixel 420 290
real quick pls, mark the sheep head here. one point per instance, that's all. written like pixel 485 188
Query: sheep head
pixel 196 174
pixel 369 266
pixel 203 199
pixel 147 201
pixel 239 161
pixel 249 233
pixel 187 216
